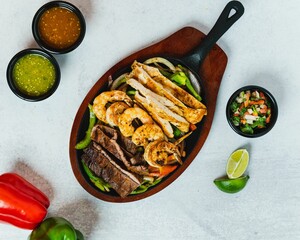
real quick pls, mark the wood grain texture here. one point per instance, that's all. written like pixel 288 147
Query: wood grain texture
pixel 176 45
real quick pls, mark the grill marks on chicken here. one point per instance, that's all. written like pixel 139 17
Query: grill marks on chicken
pixel 159 105
pixel 161 93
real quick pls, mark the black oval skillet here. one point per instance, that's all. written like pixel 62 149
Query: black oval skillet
pixel 185 43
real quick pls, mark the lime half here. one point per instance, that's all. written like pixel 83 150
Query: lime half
pixel 237 163
pixel 231 185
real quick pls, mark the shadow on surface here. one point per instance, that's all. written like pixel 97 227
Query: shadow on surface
pixel 82 214
pixel 23 169
pixel 86 7
pixel 274 82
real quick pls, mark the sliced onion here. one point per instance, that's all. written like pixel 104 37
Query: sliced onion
pixel 160 60
pixel 119 81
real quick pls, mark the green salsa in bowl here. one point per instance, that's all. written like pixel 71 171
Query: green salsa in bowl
pixel 33 74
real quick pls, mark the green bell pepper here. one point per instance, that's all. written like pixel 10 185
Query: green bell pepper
pixel 181 79
pixel 55 228
pixel 87 139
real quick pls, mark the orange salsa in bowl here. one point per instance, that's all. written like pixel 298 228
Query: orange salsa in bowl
pixel 58 27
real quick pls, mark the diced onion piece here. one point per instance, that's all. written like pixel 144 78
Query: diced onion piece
pixel 250 117
pixel 255 94
pixel 239 99
pixel 160 60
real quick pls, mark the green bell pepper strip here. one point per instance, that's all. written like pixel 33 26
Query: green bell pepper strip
pixel 177 133
pixel 87 139
pixel 145 186
pixel 192 90
pixel 131 92
pixel 105 187
pixel 181 79
pixel 55 228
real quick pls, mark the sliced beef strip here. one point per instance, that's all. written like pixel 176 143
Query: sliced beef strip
pixel 101 163
pixel 137 159
pixel 111 145
pixel 125 142
pixel 109 131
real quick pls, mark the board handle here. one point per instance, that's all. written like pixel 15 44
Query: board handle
pixel 230 14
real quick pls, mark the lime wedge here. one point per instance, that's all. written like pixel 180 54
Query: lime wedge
pixel 237 163
pixel 231 185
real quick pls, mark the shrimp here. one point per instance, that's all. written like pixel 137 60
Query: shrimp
pixel 99 104
pixel 161 153
pixel 114 111
pixel 147 133
pixel 128 116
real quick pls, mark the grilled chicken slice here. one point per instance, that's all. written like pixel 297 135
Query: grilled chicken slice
pixel 148 93
pixel 164 124
pixel 175 90
pixel 163 112
pixel 192 115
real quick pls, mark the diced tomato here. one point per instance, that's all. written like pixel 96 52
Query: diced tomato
pixel 242 106
pixel 258 102
pixel 247 97
pixel 193 127
pixel 268 118
pixel 262 95
pixel 263 110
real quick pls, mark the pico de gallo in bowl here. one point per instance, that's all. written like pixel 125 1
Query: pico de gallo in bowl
pixel 252 111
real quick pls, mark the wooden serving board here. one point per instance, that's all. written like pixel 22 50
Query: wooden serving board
pixel 176 45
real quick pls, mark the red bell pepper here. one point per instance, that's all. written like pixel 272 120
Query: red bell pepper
pixel 26 187
pixel 21 203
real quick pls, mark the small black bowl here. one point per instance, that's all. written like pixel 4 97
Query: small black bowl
pixel 257 131
pixel 57 36
pixel 45 60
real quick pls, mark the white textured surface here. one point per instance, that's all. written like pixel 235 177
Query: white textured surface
pixel 262 48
